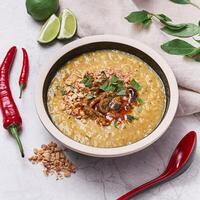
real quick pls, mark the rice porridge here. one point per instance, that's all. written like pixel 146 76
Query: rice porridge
pixel 106 98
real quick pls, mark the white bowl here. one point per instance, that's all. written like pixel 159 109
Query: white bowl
pixel 92 43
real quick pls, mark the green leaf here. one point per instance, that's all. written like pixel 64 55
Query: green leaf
pixel 87 81
pixel 186 2
pixel 189 31
pixel 121 93
pixel 163 17
pixel 177 47
pixel 197 59
pixel 140 100
pixel 139 109
pixel 138 16
pixel 181 1
pixel 115 124
pixel 195 52
pixel 130 118
pixel 107 87
pixel 147 23
pixel 114 79
pixel 171 26
pixel 136 85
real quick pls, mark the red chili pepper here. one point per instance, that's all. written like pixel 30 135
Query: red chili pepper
pixel 24 72
pixel 11 117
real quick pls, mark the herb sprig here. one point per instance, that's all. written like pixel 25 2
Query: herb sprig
pixel 87 80
pixel 185 2
pixel 181 47
pixel 179 30
pixel 184 30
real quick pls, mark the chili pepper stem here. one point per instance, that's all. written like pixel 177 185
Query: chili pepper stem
pixel 21 86
pixel 13 130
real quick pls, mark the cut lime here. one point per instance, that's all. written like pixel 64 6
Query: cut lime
pixel 50 30
pixel 68 24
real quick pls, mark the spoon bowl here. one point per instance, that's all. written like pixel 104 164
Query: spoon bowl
pixel 179 162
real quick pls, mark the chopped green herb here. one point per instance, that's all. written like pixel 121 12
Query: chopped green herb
pixel 140 100
pixel 114 79
pixel 87 81
pixel 139 109
pixel 107 87
pixel 122 93
pixel 63 92
pixel 72 87
pixel 130 118
pixel 136 85
pixel 90 96
pixel 115 85
pixel 115 124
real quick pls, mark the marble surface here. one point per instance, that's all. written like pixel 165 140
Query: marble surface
pixel 96 178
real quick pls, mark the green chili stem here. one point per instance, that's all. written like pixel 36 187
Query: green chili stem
pixel 13 130
pixel 21 86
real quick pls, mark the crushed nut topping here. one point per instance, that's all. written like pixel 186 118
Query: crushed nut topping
pixel 105 97
pixel 53 160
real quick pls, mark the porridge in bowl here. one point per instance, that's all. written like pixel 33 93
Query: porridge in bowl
pixel 106 98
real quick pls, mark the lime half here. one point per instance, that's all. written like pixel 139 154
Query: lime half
pixel 68 24
pixel 50 30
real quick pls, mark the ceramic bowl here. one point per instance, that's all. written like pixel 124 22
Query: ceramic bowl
pixel 88 44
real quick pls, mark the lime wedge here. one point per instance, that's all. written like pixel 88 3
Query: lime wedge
pixel 68 24
pixel 49 30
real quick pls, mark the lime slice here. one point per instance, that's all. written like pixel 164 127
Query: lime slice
pixel 68 24
pixel 50 30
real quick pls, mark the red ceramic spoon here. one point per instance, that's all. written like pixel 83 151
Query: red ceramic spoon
pixel 180 160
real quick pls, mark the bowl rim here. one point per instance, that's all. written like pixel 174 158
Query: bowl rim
pixel 116 151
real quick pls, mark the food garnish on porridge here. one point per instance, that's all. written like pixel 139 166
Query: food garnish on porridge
pixel 106 98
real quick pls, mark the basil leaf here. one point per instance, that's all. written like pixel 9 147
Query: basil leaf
pixel 121 93
pixel 87 81
pixel 177 47
pixel 195 52
pixel 138 16
pixel 181 1
pixel 163 17
pixel 185 2
pixel 171 26
pixel 189 31
pixel 136 85
pixel 147 23
pixel 197 59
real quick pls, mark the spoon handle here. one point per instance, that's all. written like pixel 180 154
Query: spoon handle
pixel 143 187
